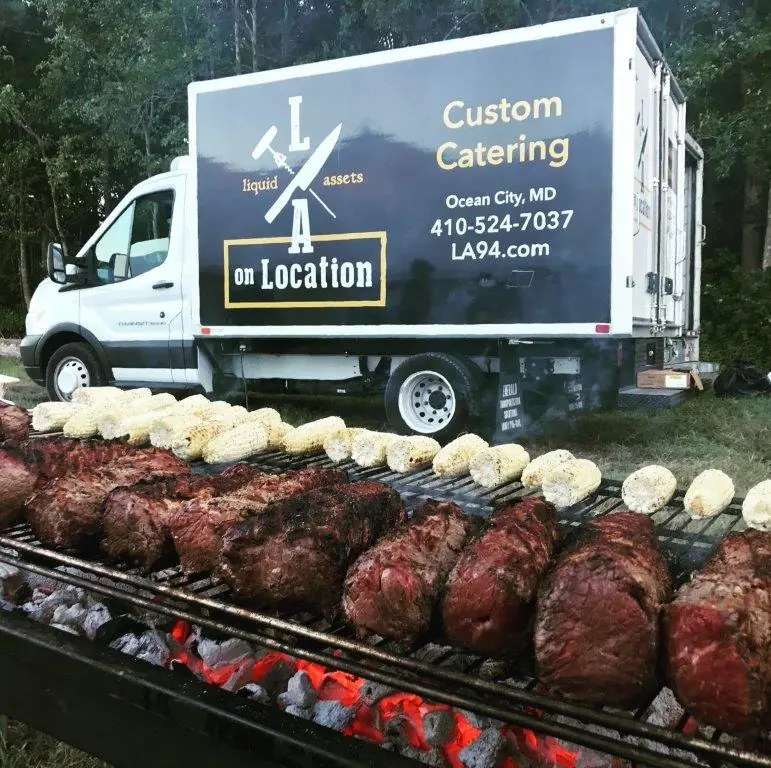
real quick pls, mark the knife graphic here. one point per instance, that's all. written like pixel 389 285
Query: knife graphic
pixel 306 175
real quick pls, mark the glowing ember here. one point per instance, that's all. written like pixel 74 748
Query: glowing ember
pixel 405 721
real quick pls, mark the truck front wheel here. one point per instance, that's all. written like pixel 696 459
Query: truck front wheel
pixel 72 366
pixel 434 394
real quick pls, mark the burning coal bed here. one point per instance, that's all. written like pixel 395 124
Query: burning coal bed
pixel 434 734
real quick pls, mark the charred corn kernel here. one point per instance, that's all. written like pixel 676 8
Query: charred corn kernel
pixel 337 444
pixel 194 402
pixel 498 464
pixel 244 440
pixel 50 417
pixel 407 454
pixel 368 449
pixel 264 416
pixel 188 443
pixel 756 508
pixel 164 427
pixel 279 433
pixel 533 473
pixel 94 395
pixel 84 422
pixel 571 482
pixel 709 494
pixel 648 489
pixel 309 438
pixel 453 460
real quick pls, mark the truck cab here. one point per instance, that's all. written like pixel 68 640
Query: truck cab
pixel 115 312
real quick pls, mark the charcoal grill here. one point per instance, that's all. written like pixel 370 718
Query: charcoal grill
pixel 187 717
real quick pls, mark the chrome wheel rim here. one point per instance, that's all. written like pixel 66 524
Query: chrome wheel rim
pixel 426 402
pixel 70 374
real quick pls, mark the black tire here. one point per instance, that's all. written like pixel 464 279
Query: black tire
pixel 80 352
pixel 468 386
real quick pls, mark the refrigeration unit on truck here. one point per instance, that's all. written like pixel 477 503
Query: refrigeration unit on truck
pixel 509 222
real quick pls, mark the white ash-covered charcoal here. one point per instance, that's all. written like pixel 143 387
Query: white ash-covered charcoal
pixel 372 693
pixel 332 714
pixel 481 721
pixel 64 628
pixel 216 655
pixel 97 616
pixel 42 606
pixel 485 751
pixel 438 727
pixel 70 616
pixel 305 714
pixel 254 692
pixel 150 646
pixel 299 692
pixel 12 584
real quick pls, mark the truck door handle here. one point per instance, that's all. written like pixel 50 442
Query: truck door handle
pixel 163 284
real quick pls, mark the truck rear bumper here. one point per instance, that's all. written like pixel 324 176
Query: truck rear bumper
pixel 30 358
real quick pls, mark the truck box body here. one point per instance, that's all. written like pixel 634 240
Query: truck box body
pixel 501 185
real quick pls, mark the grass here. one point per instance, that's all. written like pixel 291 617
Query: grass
pixel 732 435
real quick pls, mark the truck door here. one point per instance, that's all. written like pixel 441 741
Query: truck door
pixel 135 299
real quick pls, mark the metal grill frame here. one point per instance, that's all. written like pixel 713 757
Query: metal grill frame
pixel 203 600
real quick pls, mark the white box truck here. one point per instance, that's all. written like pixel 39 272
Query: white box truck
pixel 481 226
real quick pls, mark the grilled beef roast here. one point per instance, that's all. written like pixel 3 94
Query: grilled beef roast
pixel 296 552
pixel 197 526
pixel 14 422
pixel 17 481
pixel 67 510
pixel 393 588
pixel 597 620
pixel 717 637
pixel 135 518
pixel 489 602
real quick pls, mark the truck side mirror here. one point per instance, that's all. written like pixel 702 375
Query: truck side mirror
pixel 55 264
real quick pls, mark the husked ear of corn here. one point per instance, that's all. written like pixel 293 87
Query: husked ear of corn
pixel 189 442
pixel 136 428
pixel 194 402
pixel 50 417
pixel 498 464
pixel 533 473
pixel 264 416
pixel 110 423
pixel 309 437
pixel 337 444
pixel 648 489
pixel 756 509
pixel 567 484
pixel 136 395
pixel 368 449
pixel 84 422
pixel 411 452
pixel 229 417
pixel 94 395
pixel 244 440
pixel 709 494
pixel 164 426
pixel 453 460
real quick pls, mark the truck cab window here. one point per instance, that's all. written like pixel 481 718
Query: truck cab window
pixel 137 241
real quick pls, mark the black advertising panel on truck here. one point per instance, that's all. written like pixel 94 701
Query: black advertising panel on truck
pixel 457 192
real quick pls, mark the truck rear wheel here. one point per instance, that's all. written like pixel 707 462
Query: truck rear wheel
pixel 72 366
pixel 434 394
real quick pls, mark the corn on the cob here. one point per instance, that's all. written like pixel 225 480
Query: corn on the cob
pixel 569 483
pixel 498 464
pixel 164 427
pixel 337 444
pixel 648 489
pixel 368 449
pixel 84 422
pixel 533 473
pixel 135 429
pixel 407 454
pixel 228 417
pixel 194 402
pixel 309 437
pixel 453 460
pixel 94 395
pixel 50 417
pixel 136 395
pixel 110 424
pixel 756 509
pixel 709 494
pixel 244 440
pixel 188 443
pixel 264 416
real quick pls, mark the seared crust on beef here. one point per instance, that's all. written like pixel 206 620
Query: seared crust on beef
pixel 597 628
pixel 490 598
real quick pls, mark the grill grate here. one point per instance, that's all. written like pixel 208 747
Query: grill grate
pixel 436 672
